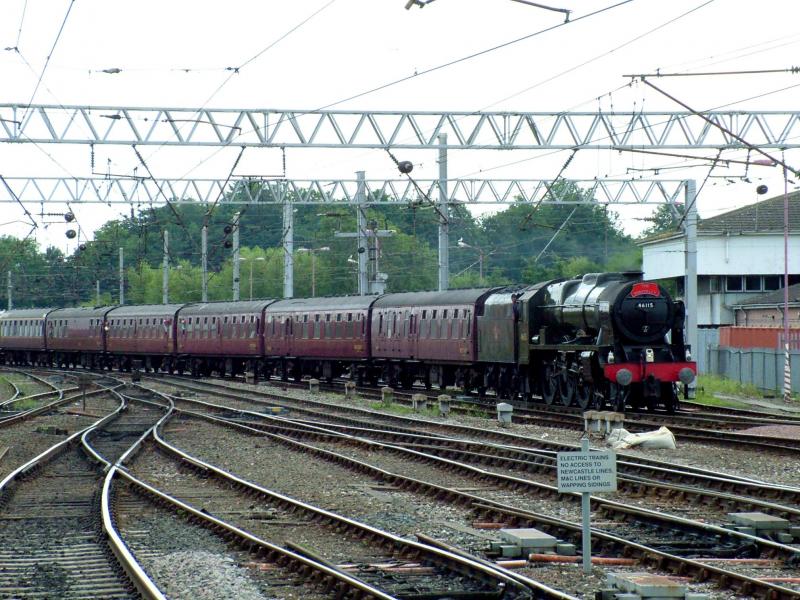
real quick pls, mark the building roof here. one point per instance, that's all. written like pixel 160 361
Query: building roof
pixel 762 217
pixel 773 298
pixel 765 216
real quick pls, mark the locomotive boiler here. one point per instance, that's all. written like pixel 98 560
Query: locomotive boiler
pixel 608 339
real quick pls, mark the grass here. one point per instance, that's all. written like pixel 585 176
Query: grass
pixel 25 404
pixel 708 386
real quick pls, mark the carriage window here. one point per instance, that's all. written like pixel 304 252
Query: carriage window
pixel 328 317
pixel 455 313
pixel 338 317
pixel 424 314
pixel 305 318
pixel 433 316
pixel 444 314
pixel 316 317
pixel 380 323
pixel 349 316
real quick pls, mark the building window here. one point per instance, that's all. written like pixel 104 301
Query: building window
pixel 772 282
pixel 752 283
pixel 733 283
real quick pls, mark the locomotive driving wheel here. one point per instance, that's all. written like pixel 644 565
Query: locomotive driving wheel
pixel 585 395
pixel 567 385
pixel 549 384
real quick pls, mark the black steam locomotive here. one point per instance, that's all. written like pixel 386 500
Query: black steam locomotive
pixel 608 339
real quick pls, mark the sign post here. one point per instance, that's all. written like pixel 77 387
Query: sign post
pixel 83 382
pixel 586 472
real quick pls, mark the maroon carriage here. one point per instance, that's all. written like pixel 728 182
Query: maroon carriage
pixel 324 337
pixel 427 335
pixel 22 334
pixel 76 336
pixel 145 332
pixel 221 336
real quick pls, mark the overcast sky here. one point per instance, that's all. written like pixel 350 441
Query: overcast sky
pixel 311 54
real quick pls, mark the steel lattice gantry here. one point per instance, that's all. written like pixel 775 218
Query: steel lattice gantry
pixel 394 129
pixel 99 190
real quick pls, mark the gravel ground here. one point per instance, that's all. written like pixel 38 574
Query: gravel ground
pixel 357 496
pixel 755 464
pixel 28 439
pixel 189 563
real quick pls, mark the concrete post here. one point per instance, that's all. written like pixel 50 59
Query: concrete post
pixel 288 249
pixel 349 389
pixel 387 396
pixel 363 242
pixel 444 226
pixel 444 405
pixel 313 385
pixel 691 265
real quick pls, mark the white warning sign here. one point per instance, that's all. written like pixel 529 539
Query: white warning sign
pixel 591 471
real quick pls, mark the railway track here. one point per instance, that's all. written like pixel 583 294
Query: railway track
pixel 51 543
pixel 262 401
pixel 477 500
pixel 713 547
pixel 387 554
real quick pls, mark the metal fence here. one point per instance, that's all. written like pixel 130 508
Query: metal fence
pixel 761 367
pixel 706 339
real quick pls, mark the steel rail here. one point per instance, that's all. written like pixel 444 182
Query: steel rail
pixel 545 463
pixel 447 559
pixel 674 563
pixel 413 424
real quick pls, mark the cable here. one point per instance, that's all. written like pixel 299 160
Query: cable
pixel 49 56
pixel 433 69
pixel 475 55
pixel 697 194
pixel 161 191
pixel 236 70
pixel 530 214
pixel 21 21
pixel 604 54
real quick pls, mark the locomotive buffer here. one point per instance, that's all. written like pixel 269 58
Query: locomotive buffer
pixel 586 472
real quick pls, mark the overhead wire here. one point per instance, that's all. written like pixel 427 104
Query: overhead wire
pixel 47 60
pixel 21 22
pixel 430 70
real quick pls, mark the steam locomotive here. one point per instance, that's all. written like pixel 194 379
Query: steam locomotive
pixel 600 340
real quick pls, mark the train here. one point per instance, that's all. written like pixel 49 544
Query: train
pixel 600 340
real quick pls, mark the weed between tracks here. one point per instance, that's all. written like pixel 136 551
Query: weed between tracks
pixel 711 387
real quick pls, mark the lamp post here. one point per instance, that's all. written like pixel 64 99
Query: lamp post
pixel 251 261
pixel 481 254
pixel 313 253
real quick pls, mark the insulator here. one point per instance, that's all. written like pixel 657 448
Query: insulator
pixel 762 189
pixel 71 234
pixel 69 217
pixel 405 166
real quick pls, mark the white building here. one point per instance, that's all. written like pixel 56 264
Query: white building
pixel 739 255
